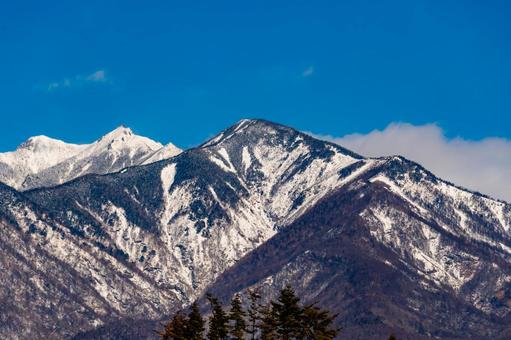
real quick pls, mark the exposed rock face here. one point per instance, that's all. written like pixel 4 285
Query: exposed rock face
pixel 383 238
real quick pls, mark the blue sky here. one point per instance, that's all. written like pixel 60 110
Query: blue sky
pixel 177 71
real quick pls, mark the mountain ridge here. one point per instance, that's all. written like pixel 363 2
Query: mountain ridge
pixel 43 161
pixel 149 239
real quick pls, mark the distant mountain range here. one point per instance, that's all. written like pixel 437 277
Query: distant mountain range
pixel 42 161
pixel 104 239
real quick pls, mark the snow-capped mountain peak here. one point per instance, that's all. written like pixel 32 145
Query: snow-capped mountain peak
pixel 122 139
pixel 40 143
pixel 44 161
pixel 35 154
pixel 261 128
pixel 120 133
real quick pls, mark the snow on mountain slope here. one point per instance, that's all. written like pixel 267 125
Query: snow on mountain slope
pixel 167 151
pixel 395 250
pixel 53 281
pixel 32 156
pixel 42 161
pixel 183 221
pixel 174 226
pixel 458 239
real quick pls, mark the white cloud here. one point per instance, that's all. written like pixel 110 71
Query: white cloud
pixel 53 86
pixel 482 165
pixel 309 71
pixel 98 76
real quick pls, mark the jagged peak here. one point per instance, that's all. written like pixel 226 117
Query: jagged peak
pixel 123 137
pixel 118 133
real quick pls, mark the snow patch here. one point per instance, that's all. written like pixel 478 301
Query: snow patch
pixel 246 158
pixel 167 176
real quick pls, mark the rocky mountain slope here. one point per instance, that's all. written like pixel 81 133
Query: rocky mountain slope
pixel 53 281
pixel 396 250
pixel 44 162
pixel 148 239
pixel 173 226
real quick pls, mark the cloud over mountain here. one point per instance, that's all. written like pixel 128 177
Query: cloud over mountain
pixel 482 165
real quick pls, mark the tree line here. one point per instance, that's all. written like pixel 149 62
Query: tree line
pixel 283 319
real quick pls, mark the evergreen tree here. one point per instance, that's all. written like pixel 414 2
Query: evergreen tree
pixel 237 316
pixel 317 324
pixel 165 334
pixel 284 319
pixel 268 325
pixel 176 329
pixel 288 314
pixel 218 322
pixel 253 313
pixel 195 329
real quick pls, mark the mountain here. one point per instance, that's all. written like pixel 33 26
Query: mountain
pixel 32 156
pixel 258 204
pixel 172 227
pixel 54 282
pixel 42 161
pixel 396 250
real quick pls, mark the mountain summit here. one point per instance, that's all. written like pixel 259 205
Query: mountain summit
pixel 42 161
